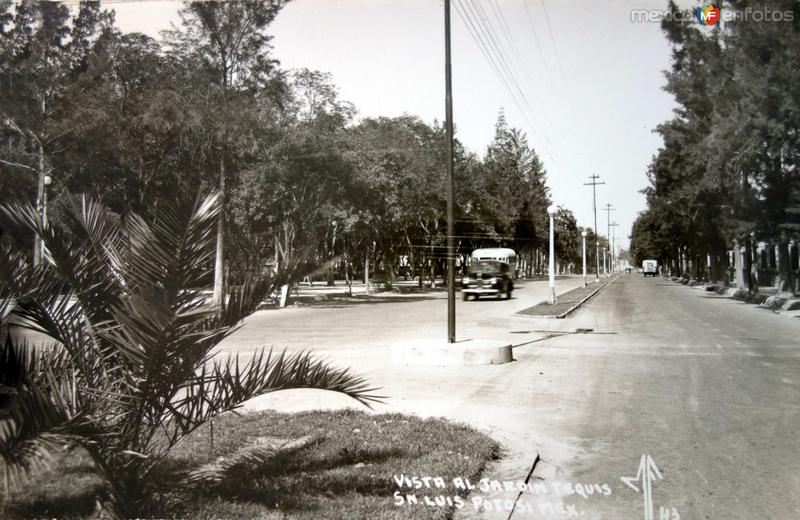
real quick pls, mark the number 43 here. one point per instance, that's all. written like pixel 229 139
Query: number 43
pixel 668 513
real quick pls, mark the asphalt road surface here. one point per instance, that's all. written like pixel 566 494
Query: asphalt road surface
pixel 705 386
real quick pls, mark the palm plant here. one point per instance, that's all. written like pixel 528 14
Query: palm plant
pixel 127 369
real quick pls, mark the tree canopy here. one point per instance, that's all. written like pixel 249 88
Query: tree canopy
pixel 139 123
pixel 729 164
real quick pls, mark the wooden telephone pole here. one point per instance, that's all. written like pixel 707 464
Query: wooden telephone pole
pixel 594 185
pixel 451 249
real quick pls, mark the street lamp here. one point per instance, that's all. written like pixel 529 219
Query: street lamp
pixel 551 210
pixel 583 234
pixel 41 202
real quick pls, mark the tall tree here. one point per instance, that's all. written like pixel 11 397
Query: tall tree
pixel 515 195
pixel 229 51
pixel 42 53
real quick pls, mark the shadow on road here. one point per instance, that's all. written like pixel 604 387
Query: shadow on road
pixel 550 334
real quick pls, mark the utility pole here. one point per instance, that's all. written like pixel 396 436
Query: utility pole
pixel 608 209
pixel 613 226
pixel 594 185
pixel 451 249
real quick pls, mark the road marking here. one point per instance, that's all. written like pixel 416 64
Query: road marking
pixel 647 474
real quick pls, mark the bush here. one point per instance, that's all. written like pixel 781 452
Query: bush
pixel 126 370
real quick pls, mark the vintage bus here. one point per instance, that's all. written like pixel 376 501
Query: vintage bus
pixel 501 254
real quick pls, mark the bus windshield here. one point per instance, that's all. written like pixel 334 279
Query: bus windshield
pixel 488 267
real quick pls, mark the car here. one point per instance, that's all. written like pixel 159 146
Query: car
pixel 487 278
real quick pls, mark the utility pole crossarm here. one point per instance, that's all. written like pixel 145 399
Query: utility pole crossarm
pixel 594 183
pixel 613 227
pixel 608 209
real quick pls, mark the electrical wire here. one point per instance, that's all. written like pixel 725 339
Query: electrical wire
pixel 484 36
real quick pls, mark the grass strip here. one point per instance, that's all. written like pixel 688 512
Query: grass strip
pixel 565 302
pixel 350 473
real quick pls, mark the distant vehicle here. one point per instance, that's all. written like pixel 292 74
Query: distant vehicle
pixel 650 267
pixel 487 278
pixel 501 254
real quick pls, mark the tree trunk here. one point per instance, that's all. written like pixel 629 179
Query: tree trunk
pixel 331 250
pixel 749 267
pixel 366 273
pixel 286 289
pixel 219 260
pixel 38 245
pixel 388 267
pixel 785 282
pixel 347 279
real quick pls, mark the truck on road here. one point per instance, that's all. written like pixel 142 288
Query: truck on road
pixel 650 267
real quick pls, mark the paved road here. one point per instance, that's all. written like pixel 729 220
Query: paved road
pixel 707 386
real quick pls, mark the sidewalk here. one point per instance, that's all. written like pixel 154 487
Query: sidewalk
pixel 785 303
pixel 477 395
pixel 320 291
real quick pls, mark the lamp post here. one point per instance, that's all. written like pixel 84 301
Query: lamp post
pixel 583 234
pixel 38 245
pixel 605 266
pixel 551 260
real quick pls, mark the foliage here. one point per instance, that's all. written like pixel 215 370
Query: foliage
pixel 137 123
pixel 128 369
pixel 43 53
pixel 349 474
pixel 729 164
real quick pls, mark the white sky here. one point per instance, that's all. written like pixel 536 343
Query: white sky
pixel 592 78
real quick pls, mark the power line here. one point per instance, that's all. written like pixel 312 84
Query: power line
pixel 594 185
pixel 537 42
pixel 482 38
pixel 488 29
pixel 608 209
pixel 483 33
pixel 613 226
pixel 498 45
pixel 558 58
pixel 512 42
pixel 552 39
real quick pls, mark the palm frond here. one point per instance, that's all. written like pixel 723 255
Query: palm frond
pixel 100 234
pixel 81 263
pixel 38 412
pixel 131 369
pixel 174 253
pixel 247 462
pixel 242 301
pixel 226 384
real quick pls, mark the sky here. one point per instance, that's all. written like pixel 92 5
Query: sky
pixel 586 78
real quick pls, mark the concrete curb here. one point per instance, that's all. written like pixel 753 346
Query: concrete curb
pixel 584 300
pixel 574 307
pixel 439 353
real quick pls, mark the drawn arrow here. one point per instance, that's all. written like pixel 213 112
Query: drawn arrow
pixel 647 474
